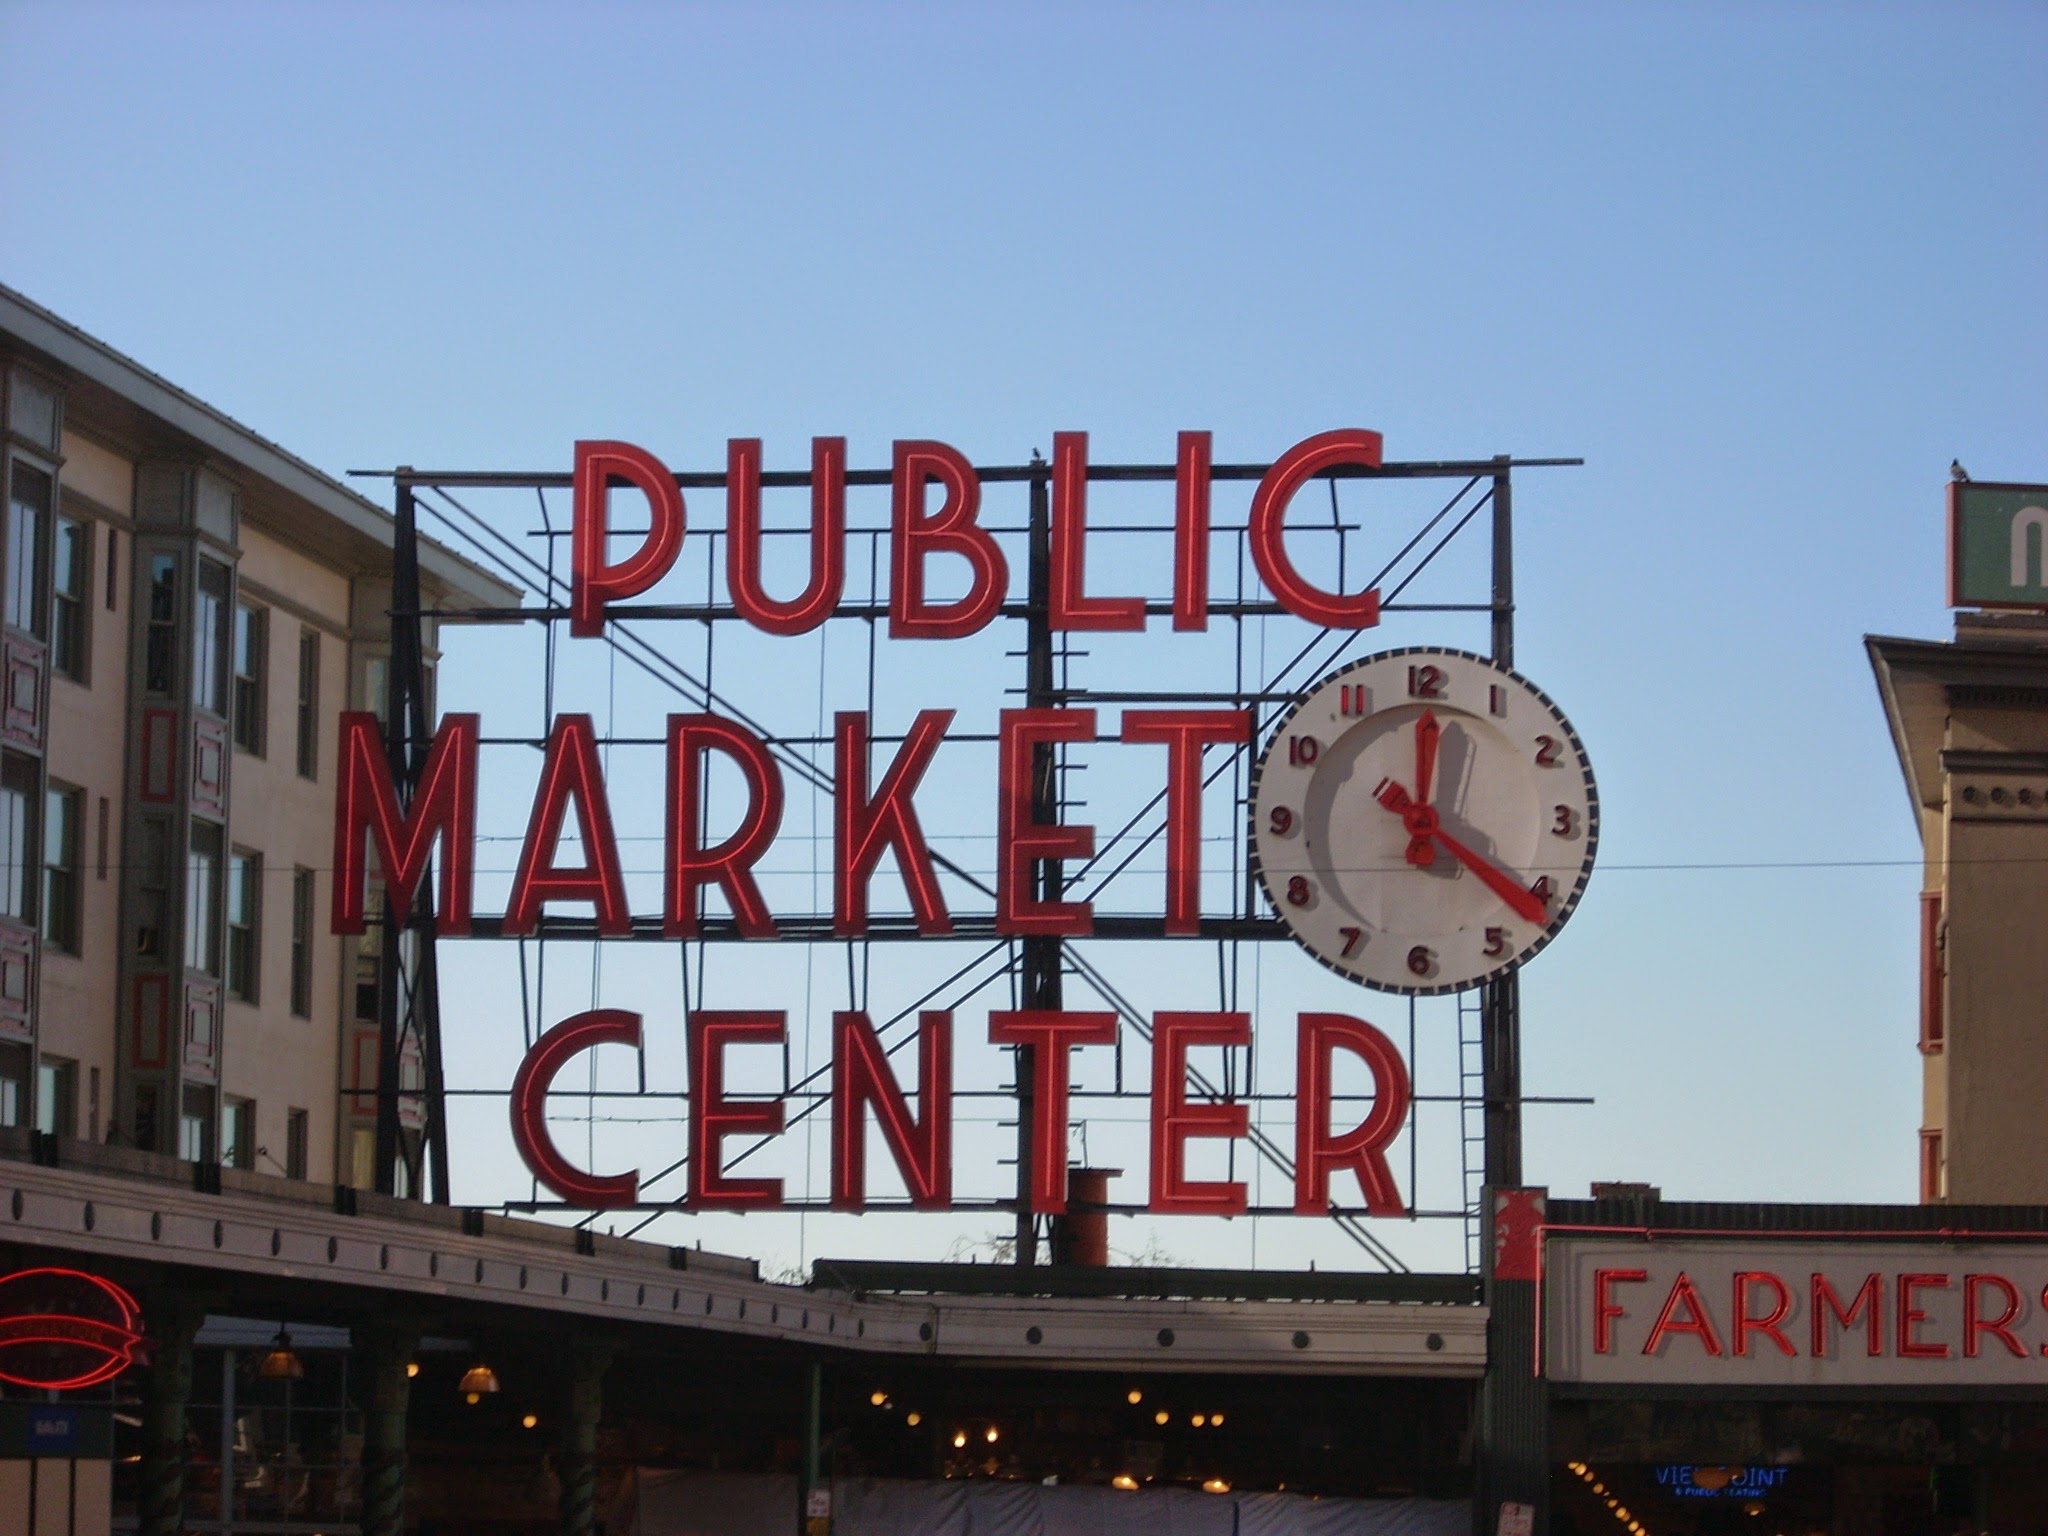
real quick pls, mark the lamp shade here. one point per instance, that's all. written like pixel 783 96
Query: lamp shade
pixel 283 1362
pixel 477 1379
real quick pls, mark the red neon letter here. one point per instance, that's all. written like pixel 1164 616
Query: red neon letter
pixel 1174 1119
pixel 1021 841
pixel 1310 457
pixel 1191 532
pixel 1605 1308
pixel 743 537
pixel 593 580
pixel 1695 1321
pixel 914 536
pixel 1050 1035
pixel 1066 607
pixel 1912 1315
pixel 569 773
pixel 1869 1301
pixel 444 805
pixel 862 828
pixel 1975 1324
pixel 600 1026
pixel 713 1117
pixel 1183 732
pixel 861 1079
pixel 1363 1149
pixel 691 866
pixel 1781 1308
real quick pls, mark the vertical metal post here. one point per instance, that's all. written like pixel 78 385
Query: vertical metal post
pixel 1512 1460
pixel 1042 956
pixel 1500 1024
pixel 583 1410
pixel 387 1344
pixel 814 1414
pixel 408 1004
pixel 174 1321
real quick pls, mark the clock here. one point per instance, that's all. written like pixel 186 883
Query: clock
pixel 1424 820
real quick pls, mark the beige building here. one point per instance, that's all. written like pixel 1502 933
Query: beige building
pixel 186 609
pixel 1969 718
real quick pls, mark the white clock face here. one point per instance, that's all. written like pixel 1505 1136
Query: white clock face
pixel 1424 820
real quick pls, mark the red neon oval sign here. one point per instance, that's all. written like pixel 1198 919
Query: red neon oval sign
pixel 63 1328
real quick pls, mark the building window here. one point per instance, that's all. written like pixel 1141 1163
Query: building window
pixel 377 688
pixel 202 899
pixel 160 646
pixel 238 1133
pixel 29 501
pixel 61 811
pixel 21 854
pixel 370 956
pixel 362 1157
pixel 309 703
pixel 252 639
pixel 113 567
pixel 302 943
pixel 72 583
pixel 152 887
pixel 195 1125
pixel 13 1083
pixel 295 1139
pixel 245 934
pixel 210 637
pixel 57 1097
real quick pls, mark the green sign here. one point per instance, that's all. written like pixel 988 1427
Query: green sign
pixel 1997 546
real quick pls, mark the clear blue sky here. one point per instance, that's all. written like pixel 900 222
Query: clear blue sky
pixel 1767 268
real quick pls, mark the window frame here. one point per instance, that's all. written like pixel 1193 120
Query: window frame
pixel 303 910
pixel 20 778
pixel 249 691
pixel 71 610
pixel 32 587
pixel 63 871
pixel 242 932
pixel 309 704
pixel 205 947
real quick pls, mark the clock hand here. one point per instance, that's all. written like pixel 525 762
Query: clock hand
pixel 1499 881
pixel 1426 733
pixel 1420 820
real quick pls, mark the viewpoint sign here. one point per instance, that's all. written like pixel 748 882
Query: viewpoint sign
pixel 1997 546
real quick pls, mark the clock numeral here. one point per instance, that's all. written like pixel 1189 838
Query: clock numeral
pixel 1282 821
pixel 1567 822
pixel 1497 699
pixel 1420 959
pixel 1299 892
pixel 1546 751
pixel 1426 682
pixel 1351 698
pixel 1302 750
pixel 1496 943
pixel 1353 937
pixel 1541 889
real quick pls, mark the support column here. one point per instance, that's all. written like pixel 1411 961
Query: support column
pixel 1512 1492
pixel 387 1345
pixel 173 1320
pixel 582 1411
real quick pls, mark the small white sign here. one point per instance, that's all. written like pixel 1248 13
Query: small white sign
pixel 818 1506
pixel 1516 1520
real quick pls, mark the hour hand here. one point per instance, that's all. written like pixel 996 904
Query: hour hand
pixel 1420 819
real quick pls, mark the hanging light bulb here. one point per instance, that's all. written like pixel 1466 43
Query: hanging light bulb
pixel 476 1381
pixel 412 1369
pixel 913 1418
pixel 529 1421
pixel 878 1398
pixel 282 1363
pixel 1134 1397
pixel 959 1439
pixel 1161 1416
pixel 991 1436
pixel 1125 1481
pixel 1216 1485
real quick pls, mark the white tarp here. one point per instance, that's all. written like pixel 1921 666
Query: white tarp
pixel 663 1503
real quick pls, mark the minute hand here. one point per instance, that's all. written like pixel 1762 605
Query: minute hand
pixel 1496 879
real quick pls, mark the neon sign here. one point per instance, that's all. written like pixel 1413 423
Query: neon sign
pixel 61 1329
